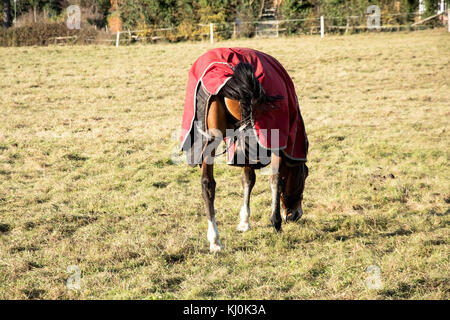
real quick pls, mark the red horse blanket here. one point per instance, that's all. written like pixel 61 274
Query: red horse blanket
pixel 210 73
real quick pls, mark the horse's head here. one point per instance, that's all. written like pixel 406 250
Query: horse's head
pixel 293 179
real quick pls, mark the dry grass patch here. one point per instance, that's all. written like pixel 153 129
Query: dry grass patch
pixel 87 176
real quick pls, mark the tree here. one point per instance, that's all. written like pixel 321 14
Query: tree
pixel 7 17
pixel 431 6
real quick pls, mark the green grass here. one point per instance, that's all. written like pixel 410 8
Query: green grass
pixel 86 176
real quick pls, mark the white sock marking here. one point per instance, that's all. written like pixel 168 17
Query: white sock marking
pixel 213 236
pixel 244 225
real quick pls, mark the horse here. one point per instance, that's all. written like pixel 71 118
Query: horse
pixel 236 103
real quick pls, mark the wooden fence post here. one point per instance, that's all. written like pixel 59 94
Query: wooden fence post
pixel 322 27
pixel 117 39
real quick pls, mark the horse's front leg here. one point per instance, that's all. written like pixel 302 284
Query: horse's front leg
pixel 275 185
pixel 248 181
pixel 208 191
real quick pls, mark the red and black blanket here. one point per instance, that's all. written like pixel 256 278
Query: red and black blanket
pixel 210 73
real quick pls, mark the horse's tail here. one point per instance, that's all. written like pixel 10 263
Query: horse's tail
pixel 245 87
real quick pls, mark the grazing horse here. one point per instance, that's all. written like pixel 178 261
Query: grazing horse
pixel 246 98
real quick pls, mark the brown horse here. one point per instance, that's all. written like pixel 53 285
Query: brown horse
pixel 235 101
pixel 287 181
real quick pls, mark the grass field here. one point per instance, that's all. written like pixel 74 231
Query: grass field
pixel 87 177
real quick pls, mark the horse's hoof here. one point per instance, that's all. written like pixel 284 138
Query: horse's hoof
pixel 214 247
pixel 243 227
pixel 277 226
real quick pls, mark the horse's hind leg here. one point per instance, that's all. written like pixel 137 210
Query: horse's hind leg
pixel 248 181
pixel 275 185
pixel 209 191
pixel 216 127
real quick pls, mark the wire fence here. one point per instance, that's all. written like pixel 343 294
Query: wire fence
pixel 323 25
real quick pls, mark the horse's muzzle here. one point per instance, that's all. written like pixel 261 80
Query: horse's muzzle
pixel 293 216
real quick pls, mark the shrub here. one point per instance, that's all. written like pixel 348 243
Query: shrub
pixel 42 34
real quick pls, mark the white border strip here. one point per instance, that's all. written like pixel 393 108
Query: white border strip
pixel 195 96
